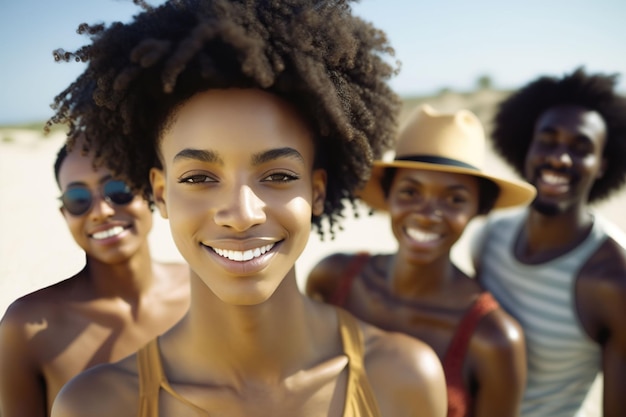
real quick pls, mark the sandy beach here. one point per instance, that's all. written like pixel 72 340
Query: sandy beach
pixel 37 250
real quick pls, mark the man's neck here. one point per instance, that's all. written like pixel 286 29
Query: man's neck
pixel 545 237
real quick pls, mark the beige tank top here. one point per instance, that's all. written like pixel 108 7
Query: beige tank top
pixel 360 400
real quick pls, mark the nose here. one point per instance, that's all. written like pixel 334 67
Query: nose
pixel 560 157
pixel 101 208
pixel 242 208
pixel 428 211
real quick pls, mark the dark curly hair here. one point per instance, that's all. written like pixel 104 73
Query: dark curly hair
pixel 516 116
pixel 332 66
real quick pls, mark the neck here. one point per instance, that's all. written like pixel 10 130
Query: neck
pixel 127 279
pixel 260 342
pixel 544 236
pixel 411 280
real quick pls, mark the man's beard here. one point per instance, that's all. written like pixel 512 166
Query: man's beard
pixel 545 208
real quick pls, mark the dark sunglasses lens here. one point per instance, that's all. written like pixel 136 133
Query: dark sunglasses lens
pixel 118 192
pixel 77 200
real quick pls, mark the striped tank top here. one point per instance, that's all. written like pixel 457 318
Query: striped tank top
pixel 563 360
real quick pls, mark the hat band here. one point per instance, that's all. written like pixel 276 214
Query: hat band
pixel 437 160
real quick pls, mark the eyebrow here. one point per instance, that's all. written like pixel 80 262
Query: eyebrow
pixel 256 159
pixel 199 155
pixel 273 154
pixel 553 131
pixel 101 181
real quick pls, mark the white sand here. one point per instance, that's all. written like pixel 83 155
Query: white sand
pixel 36 249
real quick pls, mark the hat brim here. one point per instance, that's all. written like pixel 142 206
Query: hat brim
pixel 512 192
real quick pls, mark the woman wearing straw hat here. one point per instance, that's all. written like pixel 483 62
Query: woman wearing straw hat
pixel 431 190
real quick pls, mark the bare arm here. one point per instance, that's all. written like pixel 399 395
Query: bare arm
pixel 614 353
pixel 22 386
pixel 601 303
pixel 500 366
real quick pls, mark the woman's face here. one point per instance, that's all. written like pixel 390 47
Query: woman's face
pixel 239 190
pixel 108 232
pixel 429 211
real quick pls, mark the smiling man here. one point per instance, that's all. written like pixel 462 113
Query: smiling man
pixel 558 267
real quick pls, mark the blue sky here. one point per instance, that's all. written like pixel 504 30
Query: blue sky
pixel 441 43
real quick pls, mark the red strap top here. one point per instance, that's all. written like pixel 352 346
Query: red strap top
pixel 340 296
pixel 459 399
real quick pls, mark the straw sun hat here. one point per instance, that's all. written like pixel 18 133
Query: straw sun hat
pixel 444 142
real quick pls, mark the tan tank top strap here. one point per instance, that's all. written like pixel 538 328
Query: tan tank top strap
pixel 360 400
pixel 152 379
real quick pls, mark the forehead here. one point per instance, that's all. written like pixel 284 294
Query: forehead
pixel 244 120
pixel 576 120
pixel 440 178
pixel 78 167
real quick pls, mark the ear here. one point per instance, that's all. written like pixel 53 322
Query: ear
pixel 319 191
pixel 157 181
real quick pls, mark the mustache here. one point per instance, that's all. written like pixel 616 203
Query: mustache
pixel 557 170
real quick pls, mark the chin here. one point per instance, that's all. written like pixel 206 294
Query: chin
pixel 547 209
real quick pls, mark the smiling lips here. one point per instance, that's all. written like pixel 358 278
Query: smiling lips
pixel 108 233
pixel 553 181
pixel 242 256
pixel 421 236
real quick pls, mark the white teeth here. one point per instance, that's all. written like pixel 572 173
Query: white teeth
pixel 553 179
pixel 235 255
pixel 422 237
pixel 108 233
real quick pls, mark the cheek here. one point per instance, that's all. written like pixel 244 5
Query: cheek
pixel 140 208
pixel 185 209
pixel 460 220
pixel 294 210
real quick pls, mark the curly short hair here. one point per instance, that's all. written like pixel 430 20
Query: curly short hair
pixel 517 115
pixel 332 66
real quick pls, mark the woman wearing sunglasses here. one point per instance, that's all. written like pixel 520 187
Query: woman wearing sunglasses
pixel 121 298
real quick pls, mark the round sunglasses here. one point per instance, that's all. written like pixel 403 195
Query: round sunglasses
pixel 78 200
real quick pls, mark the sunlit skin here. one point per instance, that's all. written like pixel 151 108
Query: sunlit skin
pixel 135 218
pixel 429 211
pixel 239 187
pixel 419 291
pixel 565 158
pixel 563 162
pixel 120 300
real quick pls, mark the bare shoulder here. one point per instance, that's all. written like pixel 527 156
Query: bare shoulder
pixel 601 291
pixel 104 390
pixel 325 276
pixel 43 305
pixel 604 274
pixel 498 333
pixel 405 374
